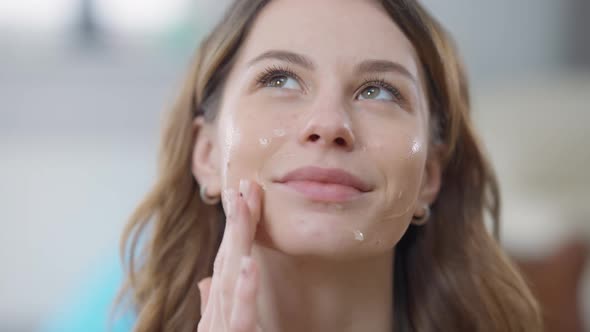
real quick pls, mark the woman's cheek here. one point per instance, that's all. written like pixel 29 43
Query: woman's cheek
pixel 409 175
pixel 249 144
pixel 403 169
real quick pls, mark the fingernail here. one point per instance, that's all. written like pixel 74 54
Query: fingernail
pixel 244 188
pixel 245 266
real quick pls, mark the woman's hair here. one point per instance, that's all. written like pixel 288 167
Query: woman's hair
pixel 450 274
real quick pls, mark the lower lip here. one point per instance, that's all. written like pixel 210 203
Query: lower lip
pixel 324 192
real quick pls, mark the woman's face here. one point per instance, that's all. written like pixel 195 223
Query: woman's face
pixel 335 86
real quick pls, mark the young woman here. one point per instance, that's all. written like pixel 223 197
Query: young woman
pixel 354 187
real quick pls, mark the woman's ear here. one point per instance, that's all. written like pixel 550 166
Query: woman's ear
pixel 205 160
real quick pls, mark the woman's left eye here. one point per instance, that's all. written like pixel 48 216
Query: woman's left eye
pixel 376 93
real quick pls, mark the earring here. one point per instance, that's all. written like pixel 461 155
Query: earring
pixel 424 218
pixel 210 200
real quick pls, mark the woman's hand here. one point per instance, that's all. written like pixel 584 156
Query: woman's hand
pixel 228 298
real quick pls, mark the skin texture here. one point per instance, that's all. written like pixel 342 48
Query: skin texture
pixel 315 266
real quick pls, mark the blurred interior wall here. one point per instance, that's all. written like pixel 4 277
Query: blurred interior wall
pixel 578 33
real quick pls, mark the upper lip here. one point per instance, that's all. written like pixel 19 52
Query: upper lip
pixel 326 175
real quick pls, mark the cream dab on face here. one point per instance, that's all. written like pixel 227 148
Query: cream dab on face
pixel 279 132
pixel 264 141
pixel 358 235
pixel 416 146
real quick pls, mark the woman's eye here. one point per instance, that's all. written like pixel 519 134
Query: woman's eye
pixel 283 81
pixel 376 93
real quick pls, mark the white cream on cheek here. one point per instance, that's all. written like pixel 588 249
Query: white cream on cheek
pixel 359 236
pixel 416 146
pixel 272 152
pixel 279 132
pixel 250 143
pixel 264 141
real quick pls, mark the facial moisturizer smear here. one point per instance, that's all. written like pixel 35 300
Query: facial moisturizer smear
pixel 279 132
pixel 264 141
pixel 358 235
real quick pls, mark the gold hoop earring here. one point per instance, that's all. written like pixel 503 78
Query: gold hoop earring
pixel 209 200
pixel 424 218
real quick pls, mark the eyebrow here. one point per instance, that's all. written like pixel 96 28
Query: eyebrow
pixel 286 56
pixel 378 66
pixel 370 66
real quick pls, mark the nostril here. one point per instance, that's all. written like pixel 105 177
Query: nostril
pixel 314 137
pixel 340 141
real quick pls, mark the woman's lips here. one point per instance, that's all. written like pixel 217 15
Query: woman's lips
pixel 325 192
pixel 325 184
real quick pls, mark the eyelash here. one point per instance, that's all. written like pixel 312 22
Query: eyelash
pixel 266 76
pixel 381 83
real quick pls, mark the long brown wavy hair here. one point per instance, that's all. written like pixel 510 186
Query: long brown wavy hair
pixel 450 275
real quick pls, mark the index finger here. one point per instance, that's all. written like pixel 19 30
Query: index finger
pixel 242 228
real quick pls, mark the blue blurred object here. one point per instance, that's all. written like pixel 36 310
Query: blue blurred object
pixel 90 309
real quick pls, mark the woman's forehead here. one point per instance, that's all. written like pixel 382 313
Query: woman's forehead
pixel 329 32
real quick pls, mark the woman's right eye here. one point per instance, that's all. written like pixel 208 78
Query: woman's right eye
pixel 279 77
pixel 282 81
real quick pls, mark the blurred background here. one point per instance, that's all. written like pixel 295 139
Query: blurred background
pixel 83 84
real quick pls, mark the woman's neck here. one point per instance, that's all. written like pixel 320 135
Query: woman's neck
pixel 298 294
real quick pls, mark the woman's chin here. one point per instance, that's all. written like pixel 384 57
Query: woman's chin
pixel 326 236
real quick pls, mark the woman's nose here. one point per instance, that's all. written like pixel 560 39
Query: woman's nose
pixel 329 127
